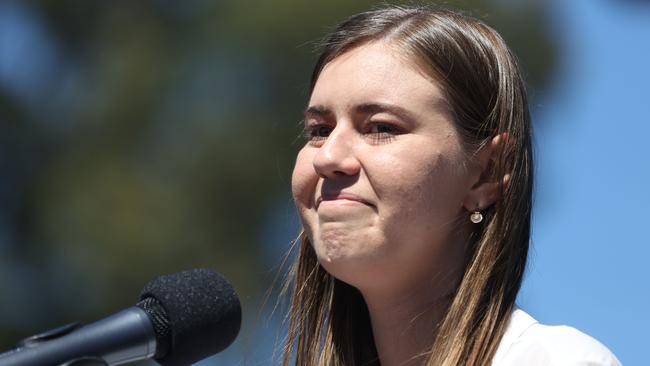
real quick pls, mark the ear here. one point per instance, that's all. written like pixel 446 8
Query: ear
pixel 485 190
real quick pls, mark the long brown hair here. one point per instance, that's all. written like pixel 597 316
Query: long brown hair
pixel 329 321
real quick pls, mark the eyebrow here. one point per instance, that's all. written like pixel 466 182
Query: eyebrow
pixel 364 108
pixel 318 111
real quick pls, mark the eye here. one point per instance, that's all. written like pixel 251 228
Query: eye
pixel 382 132
pixel 317 132
pixel 381 128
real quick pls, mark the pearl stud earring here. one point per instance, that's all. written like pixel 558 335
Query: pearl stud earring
pixel 476 216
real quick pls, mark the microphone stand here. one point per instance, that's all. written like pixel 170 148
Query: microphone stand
pixel 123 337
pixel 55 333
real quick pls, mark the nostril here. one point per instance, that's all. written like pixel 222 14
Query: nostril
pixel 330 168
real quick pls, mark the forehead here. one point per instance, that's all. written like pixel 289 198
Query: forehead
pixel 376 72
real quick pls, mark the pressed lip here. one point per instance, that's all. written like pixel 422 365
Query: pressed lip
pixel 344 196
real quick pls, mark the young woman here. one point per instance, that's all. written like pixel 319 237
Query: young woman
pixel 414 190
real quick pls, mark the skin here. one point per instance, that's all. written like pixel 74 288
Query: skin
pixel 384 189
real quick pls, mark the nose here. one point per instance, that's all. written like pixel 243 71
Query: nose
pixel 336 157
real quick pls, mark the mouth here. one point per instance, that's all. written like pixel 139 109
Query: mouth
pixel 341 198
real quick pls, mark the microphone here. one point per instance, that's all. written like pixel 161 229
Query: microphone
pixel 180 319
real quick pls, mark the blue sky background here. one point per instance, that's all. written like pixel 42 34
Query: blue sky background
pixel 589 262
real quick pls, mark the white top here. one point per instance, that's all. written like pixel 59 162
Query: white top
pixel 527 342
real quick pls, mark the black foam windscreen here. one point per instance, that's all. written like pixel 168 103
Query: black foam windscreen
pixel 203 310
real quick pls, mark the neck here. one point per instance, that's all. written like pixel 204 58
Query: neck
pixel 405 324
pixel 406 308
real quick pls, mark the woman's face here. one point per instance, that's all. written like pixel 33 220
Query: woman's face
pixel 380 184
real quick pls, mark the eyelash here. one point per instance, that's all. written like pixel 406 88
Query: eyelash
pixel 315 133
pixel 311 133
pixel 383 136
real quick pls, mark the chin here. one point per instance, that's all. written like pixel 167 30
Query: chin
pixel 351 264
pixel 331 253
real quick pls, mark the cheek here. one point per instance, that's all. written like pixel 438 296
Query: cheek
pixel 303 180
pixel 423 191
pixel 408 176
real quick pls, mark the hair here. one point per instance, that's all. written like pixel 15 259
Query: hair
pixel 329 322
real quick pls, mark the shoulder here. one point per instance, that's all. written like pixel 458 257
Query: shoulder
pixel 527 342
